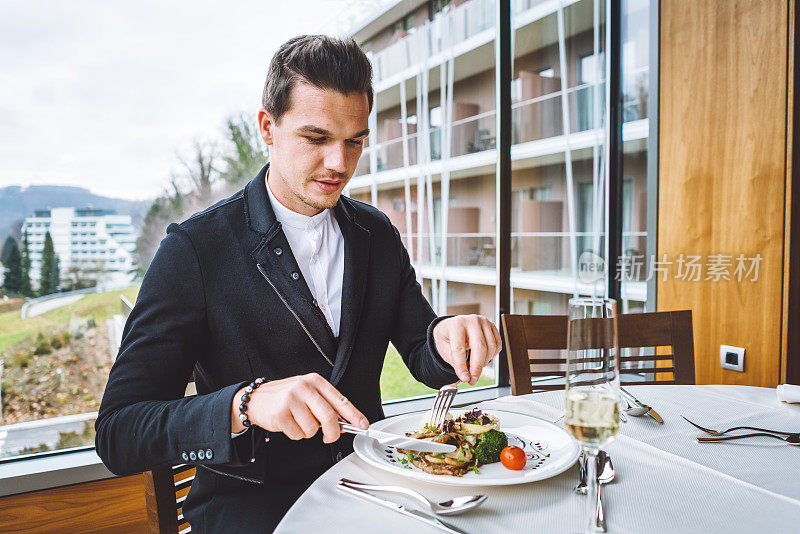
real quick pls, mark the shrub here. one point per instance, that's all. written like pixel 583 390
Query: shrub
pixel 42 447
pixel 21 360
pixel 42 348
pixel 73 439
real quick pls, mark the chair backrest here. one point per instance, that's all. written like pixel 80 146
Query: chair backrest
pixel 164 491
pixel 546 335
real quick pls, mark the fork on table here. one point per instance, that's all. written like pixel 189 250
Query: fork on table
pixel 796 435
pixel 792 438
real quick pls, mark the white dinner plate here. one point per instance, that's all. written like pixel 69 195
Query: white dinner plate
pixel 549 450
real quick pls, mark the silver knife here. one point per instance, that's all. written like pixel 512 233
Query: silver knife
pixel 410 512
pixel 651 412
pixel 398 441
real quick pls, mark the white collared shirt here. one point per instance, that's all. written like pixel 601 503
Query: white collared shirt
pixel 318 247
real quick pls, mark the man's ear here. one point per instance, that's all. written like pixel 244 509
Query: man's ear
pixel 266 125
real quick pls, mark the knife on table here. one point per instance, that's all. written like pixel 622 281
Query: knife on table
pixel 410 512
pixel 651 412
pixel 398 441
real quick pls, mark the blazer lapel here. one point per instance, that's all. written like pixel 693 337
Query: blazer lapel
pixel 356 260
pixel 278 266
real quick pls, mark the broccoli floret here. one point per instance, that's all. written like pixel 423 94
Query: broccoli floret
pixel 489 446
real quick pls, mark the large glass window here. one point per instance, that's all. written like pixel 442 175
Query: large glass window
pixel 429 164
pixel 559 180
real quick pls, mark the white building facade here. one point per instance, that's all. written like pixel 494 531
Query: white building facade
pixel 98 244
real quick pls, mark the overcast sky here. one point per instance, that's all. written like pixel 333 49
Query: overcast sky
pixel 104 94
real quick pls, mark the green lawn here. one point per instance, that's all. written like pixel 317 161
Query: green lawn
pixel 397 382
pixel 99 306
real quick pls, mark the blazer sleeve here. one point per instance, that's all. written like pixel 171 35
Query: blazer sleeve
pixel 413 330
pixel 144 421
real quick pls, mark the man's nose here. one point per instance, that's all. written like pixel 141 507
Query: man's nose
pixel 336 158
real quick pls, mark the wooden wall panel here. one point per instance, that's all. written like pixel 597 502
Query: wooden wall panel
pixel 722 158
pixel 107 506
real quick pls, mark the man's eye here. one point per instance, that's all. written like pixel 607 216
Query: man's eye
pixel 315 140
pixel 355 142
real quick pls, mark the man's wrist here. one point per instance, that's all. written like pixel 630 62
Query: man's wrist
pixel 236 424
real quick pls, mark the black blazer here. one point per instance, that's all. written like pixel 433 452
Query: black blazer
pixel 225 299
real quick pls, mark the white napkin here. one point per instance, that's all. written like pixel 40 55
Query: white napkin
pixel 789 393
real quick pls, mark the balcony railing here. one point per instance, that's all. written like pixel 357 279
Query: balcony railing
pixel 452 27
pixel 390 153
pixel 539 252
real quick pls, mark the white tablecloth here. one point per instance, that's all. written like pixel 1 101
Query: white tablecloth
pixel 666 481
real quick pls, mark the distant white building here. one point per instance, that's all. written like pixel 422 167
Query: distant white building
pixel 98 242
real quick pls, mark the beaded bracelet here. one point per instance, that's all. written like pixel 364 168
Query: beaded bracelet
pixel 246 398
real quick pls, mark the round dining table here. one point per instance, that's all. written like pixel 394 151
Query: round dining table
pixel 666 481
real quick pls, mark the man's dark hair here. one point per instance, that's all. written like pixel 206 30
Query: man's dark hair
pixel 320 60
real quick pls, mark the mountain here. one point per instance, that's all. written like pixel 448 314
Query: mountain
pixel 18 202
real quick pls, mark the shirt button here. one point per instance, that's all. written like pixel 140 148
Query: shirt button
pixel 295 276
pixel 339 456
pixel 316 304
pixel 192 456
pixel 209 454
pixel 185 456
pixel 278 251
pixel 201 454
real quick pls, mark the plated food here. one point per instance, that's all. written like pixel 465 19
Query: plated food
pixel 548 448
pixel 476 435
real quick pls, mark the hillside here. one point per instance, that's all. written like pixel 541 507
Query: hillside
pixel 18 202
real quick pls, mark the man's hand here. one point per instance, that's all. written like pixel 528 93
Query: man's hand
pixel 453 336
pixel 298 406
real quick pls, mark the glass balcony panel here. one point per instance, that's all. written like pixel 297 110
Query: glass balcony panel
pixel 541 252
pixel 363 167
pixel 392 202
pixel 436 143
pixel 471 250
pixel 470 19
pixel 536 119
pixel 586 105
pixel 390 154
pixel 448 29
pixel 473 134
pixel 471 221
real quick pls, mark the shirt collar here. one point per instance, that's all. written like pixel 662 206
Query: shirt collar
pixel 291 218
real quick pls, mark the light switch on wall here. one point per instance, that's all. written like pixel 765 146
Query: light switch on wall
pixel 731 358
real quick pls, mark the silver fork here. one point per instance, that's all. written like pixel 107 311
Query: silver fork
pixel 796 435
pixel 443 401
pixel 441 405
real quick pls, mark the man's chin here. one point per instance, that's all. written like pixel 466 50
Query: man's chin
pixel 324 202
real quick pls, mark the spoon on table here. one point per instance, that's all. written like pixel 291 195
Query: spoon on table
pixel 456 505
pixel 632 409
pixel 605 472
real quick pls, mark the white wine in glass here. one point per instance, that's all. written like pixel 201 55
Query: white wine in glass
pixel 592 416
pixel 592 383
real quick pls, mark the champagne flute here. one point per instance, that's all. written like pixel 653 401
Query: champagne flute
pixel 592 383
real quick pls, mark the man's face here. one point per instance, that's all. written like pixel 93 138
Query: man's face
pixel 315 147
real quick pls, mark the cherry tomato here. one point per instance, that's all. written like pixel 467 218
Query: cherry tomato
pixel 513 458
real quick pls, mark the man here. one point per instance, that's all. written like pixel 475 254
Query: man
pixel 289 281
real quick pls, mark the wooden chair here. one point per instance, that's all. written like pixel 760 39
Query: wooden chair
pixel 164 492
pixel 548 333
